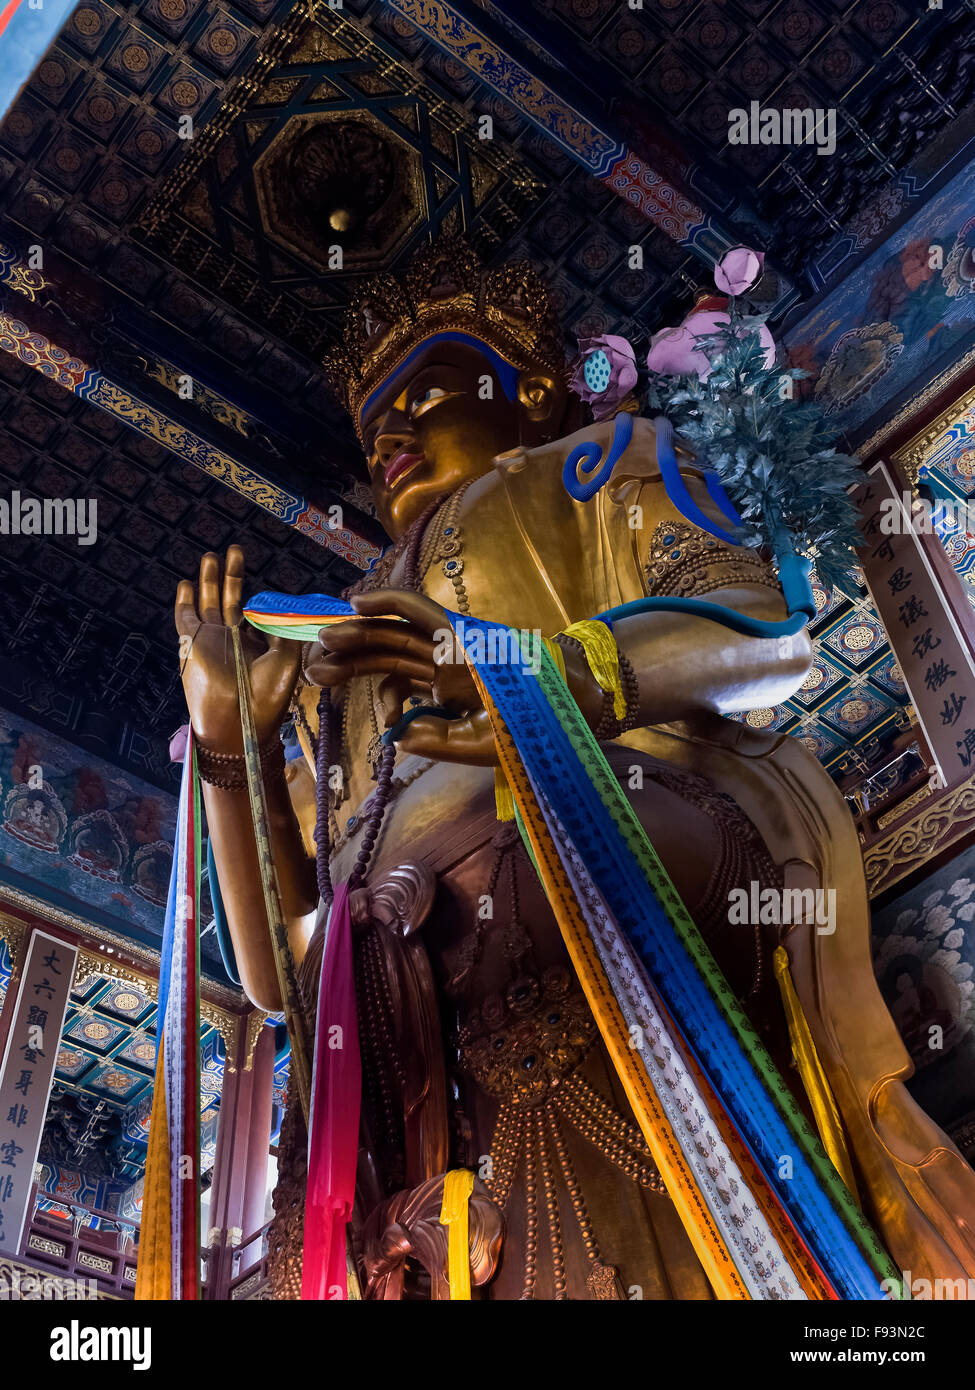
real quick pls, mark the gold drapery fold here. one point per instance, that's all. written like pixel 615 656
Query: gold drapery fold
pixel 825 1110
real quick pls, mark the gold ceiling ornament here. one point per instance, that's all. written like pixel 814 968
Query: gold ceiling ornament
pixel 916 452
pixel 930 392
pixel 91 964
pixel 445 290
pixel 225 995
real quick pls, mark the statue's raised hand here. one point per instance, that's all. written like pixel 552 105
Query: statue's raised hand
pixel 204 619
pixel 416 657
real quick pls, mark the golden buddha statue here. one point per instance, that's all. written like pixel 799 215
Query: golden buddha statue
pixel 479 1049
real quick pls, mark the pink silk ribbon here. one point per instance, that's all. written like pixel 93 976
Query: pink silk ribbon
pixel 333 1130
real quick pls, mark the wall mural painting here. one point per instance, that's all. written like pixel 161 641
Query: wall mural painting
pixel 73 823
pixel 892 323
pixel 924 958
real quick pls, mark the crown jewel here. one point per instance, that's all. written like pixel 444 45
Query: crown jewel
pixel 445 290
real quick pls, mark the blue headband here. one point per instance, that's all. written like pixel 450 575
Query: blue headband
pixel 507 373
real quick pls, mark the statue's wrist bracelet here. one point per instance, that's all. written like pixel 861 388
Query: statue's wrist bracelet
pixel 228 771
pixel 609 727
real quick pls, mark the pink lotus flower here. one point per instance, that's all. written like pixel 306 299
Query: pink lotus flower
pixel 738 269
pixel 604 374
pixel 676 351
pixel 177 744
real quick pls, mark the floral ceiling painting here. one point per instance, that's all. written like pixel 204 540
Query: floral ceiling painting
pixel 896 323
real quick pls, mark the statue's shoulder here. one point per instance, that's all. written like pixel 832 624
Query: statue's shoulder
pixel 539 472
pixel 635 440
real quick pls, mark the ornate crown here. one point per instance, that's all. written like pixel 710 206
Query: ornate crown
pixel 445 290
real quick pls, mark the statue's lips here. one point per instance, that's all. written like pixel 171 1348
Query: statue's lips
pixel 400 464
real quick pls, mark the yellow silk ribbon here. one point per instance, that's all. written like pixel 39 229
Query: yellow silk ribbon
pixel 503 800
pixel 557 654
pixel 814 1079
pixel 458 1185
pixel 603 657
pixel 154 1268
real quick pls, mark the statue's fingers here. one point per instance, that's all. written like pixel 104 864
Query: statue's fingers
pixel 469 740
pixel 415 608
pixel 394 691
pixel 186 616
pixel 233 584
pixel 312 654
pixel 336 670
pixel 210 588
pixel 378 636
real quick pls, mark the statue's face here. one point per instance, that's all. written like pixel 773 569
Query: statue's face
pixel 435 425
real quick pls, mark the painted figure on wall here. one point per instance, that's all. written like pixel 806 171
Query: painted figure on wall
pixel 480 1050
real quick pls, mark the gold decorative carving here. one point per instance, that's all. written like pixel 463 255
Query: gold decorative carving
pixel 685 561
pixel 255 1022
pixel 13 931
pixel 226 1024
pixel 917 450
pixel 913 844
pixel 913 800
pixel 91 964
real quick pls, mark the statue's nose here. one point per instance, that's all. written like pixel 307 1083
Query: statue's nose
pixel 393 440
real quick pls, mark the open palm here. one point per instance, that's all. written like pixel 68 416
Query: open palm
pixel 204 619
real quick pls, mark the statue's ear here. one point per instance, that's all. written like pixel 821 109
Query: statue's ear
pixel 542 397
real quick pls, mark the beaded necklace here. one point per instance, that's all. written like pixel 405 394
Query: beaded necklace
pixel 418 551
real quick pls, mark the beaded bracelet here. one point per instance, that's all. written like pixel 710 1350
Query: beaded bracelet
pixel 228 771
pixel 609 727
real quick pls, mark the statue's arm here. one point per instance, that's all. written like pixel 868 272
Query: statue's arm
pixel 235 853
pixel 204 614
pixel 686 664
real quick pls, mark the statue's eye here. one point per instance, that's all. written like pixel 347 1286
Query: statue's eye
pixel 434 393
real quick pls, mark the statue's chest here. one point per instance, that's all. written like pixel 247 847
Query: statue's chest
pixel 485 562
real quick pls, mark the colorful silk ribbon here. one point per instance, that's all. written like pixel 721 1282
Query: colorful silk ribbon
pixel 557 748
pixel 644 966
pixel 169 1245
pixel 333 1130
